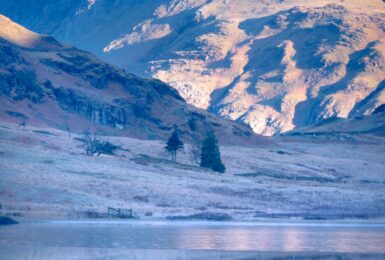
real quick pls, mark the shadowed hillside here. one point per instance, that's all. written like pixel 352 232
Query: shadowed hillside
pixel 46 83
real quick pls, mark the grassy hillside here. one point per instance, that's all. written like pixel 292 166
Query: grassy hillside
pixel 44 172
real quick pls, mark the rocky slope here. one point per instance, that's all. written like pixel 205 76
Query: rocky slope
pixel 275 65
pixel 46 83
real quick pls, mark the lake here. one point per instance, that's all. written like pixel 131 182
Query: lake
pixel 190 240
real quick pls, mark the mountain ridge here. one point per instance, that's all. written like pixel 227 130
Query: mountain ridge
pixel 275 65
pixel 49 84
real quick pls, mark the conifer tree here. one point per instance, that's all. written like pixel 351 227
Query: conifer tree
pixel 174 144
pixel 211 156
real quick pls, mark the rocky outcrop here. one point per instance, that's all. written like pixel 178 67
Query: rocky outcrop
pixel 104 114
pixel 7 55
pixel 19 85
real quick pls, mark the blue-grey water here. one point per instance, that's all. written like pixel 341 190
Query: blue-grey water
pixel 196 240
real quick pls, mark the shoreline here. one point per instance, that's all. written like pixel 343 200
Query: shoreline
pixel 378 222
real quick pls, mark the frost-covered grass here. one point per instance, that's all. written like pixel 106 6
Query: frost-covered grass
pixel 49 175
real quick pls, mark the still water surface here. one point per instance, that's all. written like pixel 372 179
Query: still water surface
pixel 136 235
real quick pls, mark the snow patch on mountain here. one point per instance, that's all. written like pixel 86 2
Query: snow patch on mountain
pixel 175 7
pixel 90 3
pixel 141 33
pixel 86 6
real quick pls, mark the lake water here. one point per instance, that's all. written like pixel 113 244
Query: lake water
pixel 190 240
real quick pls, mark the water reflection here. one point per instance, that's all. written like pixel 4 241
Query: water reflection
pixel 287 239
pixel 293 239
pixel 159 254
pixel 187 236
pixel 217 238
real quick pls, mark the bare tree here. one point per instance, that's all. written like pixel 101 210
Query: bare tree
pixel 196 152
pixel 90 142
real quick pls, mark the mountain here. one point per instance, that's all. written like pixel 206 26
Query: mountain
pixel 46 83
pixel 275 65
pixel 370 125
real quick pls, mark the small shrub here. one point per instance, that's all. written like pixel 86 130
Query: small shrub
pixel 94 146
pixel 48 162
pixel 106 148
